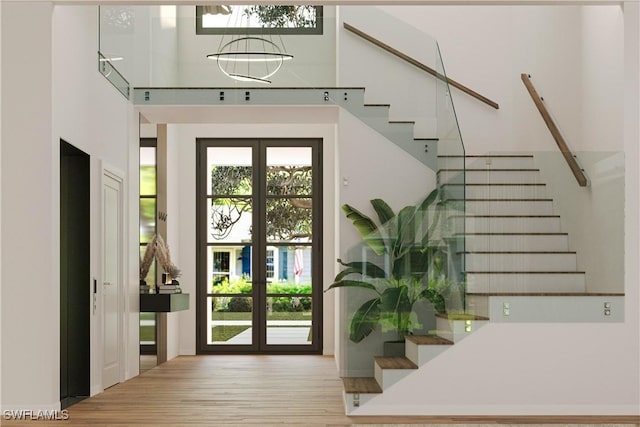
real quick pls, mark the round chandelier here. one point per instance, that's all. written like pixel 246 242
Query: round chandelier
pixel 248 51
pixel 250 58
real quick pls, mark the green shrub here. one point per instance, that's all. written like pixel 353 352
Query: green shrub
pixel 239 305
pixel 239 285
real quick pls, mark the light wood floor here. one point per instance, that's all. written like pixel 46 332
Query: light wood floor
pixel 248 391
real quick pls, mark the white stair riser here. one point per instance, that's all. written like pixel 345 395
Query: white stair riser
pixel 491 177
pixel 372 112
pixel 510 207
pixel 388 377
pixel 521 262
pixel 456 330
pixel 518 243
pixel 484 191
pixel 507 225
pixel 487 162
pixel 363 398
pixel 421 354
pixel 522 282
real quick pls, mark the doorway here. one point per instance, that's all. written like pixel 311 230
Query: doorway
pixel 75 276
pixel 259 228
pixel 112 278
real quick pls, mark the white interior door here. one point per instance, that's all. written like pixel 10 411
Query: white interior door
pixel 112 306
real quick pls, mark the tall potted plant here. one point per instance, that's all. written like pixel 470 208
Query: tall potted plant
pixel 407 248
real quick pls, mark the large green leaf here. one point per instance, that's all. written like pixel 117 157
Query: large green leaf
pixel 344 273
pixel 404 241
pixel 395 300
pixel 365 320
pixel 436 299
pixel 413 263
pixel 429 200
pixel 352 284
pixel 366 227
pixel 365 268
pixel 407 227
pixel 384 211
pixel 434 222
pixel 395 309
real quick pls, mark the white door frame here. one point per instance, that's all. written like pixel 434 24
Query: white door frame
pixel 117 175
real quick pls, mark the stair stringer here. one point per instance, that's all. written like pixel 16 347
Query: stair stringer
pixel 351 99
pixel 506 370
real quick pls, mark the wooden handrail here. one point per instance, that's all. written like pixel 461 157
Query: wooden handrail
pixel 555 132
pixel 420 65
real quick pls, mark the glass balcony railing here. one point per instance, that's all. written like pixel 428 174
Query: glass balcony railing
pixel 406 268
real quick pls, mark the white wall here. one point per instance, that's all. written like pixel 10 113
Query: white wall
pixel 602 79
pixel 53 90
pixel 0 202
pixel 30 376
pixel 485 48
pixel 174 232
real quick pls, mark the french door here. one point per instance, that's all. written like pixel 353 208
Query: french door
pixel 259 284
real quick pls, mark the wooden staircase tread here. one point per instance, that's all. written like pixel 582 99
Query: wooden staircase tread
pixel 428 340
pixel 361 385
pixel 395 362
pixel 461 316
pixel 426 139
pixel 377 105
pixel 402 122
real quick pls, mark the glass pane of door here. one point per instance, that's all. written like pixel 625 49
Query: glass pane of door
pixel 289 237
pixel 229 245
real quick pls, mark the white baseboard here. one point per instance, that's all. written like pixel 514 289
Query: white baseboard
pixel 372 408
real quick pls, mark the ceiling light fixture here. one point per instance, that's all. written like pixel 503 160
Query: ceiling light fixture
pixel 249 58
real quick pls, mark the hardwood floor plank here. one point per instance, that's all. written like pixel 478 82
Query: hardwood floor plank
pixel 265 391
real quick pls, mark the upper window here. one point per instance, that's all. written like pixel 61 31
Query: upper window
pixel 266 19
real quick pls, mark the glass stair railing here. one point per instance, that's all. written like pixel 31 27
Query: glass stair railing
pixel 351 99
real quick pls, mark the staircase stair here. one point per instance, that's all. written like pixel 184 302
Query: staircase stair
pixel 351 99
pixel 518 262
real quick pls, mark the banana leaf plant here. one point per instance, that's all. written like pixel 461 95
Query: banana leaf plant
pixel 403 241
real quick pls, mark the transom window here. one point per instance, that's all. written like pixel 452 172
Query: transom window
pixel 259 19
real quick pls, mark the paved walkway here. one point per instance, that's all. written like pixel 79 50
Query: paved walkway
pixel 279 335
